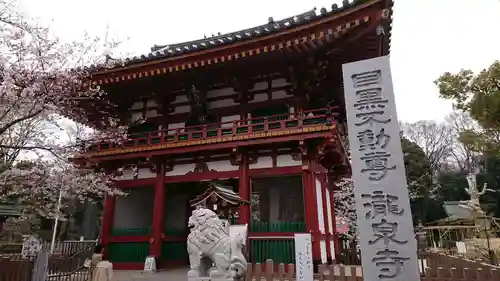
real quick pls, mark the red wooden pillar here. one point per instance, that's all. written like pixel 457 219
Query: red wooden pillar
pixel 244 190
pixel 311 208
pixel 324 203
pixel 158 212
pixel 335 236
pixel 107 222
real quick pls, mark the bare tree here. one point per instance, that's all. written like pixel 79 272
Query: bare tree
pixel 461 154
pixel 435 139
pixel 15 138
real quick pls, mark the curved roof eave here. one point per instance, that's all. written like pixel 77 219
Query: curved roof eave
pixel 159 52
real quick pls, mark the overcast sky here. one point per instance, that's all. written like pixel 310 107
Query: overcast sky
pixel 429 36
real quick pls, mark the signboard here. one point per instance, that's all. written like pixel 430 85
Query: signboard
pixel 150 264
pixel 303 257
pixel 240 230
pixel 387 240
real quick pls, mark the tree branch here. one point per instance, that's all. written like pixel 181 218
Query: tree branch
pixel 20 119
pixel 34 147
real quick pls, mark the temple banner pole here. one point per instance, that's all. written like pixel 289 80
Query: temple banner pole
pixel 56 222
pixel 385 226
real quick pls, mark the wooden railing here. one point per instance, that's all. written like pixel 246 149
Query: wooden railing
pixel 273 241
pixel 280 271
pixel 273 271
pixel 433 263
pixel 281 249
pixel 15 269
pixel 238 130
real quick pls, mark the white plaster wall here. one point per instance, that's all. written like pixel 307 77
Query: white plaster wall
pixel 173 126
pixel 259 98
pixel 182 109
pixel 151 103
pixel 142 173
pixel 221 103
pixel 221 166
pixel 329 211
pixel 279 82
pixel 319 204
pixel 127 175
pixel 134 210
pixel 322 248
pixel 137 105
pixel 280 95
pixel 179 170
pixel 229 119
pixel 260 85
pixel 136 116
pixel 225 92
pixel 287 161
pixel 220 92
pixel 262 162
pixel 180 98
pixel 151 113
pixel 145 173
pixel 332 249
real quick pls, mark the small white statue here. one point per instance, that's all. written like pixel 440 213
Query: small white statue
pixel 209 244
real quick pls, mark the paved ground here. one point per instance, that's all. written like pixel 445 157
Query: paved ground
pixel 168 275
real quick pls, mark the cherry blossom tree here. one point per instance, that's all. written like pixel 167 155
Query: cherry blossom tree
pixel 42 84
pixel 345 205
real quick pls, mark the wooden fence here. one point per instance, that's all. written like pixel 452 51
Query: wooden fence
pixel 65 264
pixel 435 260
pixel 282 272
pixel 15 269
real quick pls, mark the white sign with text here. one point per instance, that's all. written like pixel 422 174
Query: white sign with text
pixel 303 257
pixel 150 264
pixel 385 226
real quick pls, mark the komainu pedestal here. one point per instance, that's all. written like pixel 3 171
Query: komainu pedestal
pixel 213 255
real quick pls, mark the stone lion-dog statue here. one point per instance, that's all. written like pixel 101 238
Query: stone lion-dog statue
pixel 212 252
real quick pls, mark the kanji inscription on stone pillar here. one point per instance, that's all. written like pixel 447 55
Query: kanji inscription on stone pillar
pixel 387 239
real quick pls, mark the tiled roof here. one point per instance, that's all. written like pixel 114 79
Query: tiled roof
pixel 272 26
pixel 222 192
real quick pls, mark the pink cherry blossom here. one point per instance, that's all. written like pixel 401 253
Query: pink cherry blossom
pixel 43 84
pixel 345 205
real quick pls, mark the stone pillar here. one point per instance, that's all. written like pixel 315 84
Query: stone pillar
pixel 156 240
